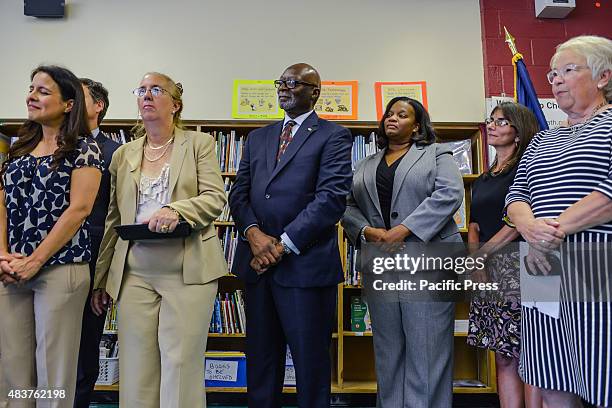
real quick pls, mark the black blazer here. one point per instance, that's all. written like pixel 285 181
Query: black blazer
pixel 100 208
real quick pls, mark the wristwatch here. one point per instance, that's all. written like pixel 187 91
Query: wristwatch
pixel 286 249
pixel 362 236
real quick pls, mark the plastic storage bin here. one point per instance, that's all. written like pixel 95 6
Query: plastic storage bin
pixel 225 369
pixel 109 371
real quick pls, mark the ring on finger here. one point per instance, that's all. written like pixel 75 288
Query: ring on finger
pixel 164 228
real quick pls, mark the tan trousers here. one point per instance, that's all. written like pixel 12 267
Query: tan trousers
pixel 40 332
pixel 163 328
pixel 3 389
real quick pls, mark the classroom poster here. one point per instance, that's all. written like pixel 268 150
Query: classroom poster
pixel 338 100
pixel 255 99
pixel 385 91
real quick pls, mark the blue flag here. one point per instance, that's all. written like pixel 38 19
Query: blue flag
pixel 524 92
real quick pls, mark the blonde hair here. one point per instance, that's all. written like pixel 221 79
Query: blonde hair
pixel 596 50
pixel 175 90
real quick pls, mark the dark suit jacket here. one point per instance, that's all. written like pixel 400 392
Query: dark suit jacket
pixel 100 208
pixel 304 195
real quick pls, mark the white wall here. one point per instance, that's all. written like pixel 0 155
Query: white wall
pixel 206 44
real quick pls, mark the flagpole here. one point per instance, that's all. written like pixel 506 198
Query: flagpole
pixel 527 95
pixel 510 42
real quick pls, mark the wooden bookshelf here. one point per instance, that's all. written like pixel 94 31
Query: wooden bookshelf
pixel 357 334
pixel 353 354
pixel 226 335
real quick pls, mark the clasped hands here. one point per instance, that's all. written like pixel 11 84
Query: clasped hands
pixel 543 235
pixel 17 268
pixel 267 250
pixel 390 238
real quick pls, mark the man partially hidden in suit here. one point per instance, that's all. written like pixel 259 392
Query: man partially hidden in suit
pixel 289 193
pixel 96 100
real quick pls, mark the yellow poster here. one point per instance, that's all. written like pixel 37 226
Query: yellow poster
pixel 255 99
pixel 338 100
pixel 385 91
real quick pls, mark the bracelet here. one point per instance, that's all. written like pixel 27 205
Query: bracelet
pixel 173 210
pixel 507 221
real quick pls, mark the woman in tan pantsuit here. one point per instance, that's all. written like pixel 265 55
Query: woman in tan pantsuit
pixel 48 186
pixel 165 288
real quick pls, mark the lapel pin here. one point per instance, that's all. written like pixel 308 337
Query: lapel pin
pixel 310 129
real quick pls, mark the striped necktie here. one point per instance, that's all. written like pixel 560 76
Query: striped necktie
pixel 285 138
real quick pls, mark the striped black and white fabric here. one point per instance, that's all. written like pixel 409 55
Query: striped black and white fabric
pixel 574 352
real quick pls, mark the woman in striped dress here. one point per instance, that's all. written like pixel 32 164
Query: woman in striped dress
pixel 562 195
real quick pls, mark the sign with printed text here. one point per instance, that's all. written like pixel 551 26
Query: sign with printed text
pixel 553 114
pixel 255 99
pixel 385 91
pixel 221 370
pixel 338 100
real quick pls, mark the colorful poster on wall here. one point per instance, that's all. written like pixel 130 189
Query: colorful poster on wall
pixel 338 100
pixel 255 99
pixel 385 91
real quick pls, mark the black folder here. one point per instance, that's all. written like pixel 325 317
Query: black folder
pixel 137 232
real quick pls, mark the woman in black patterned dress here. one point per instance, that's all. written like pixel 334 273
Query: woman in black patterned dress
pixel 48 186
pixel 496 325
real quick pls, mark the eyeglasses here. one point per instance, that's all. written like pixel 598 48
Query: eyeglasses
pixel 291 83
pixel 155 91
pixel 498 122
pixel 563 72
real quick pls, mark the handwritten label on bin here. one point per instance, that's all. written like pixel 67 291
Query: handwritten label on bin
pixel 221 370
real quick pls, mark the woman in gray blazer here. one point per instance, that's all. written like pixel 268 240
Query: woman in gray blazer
pixel 408 192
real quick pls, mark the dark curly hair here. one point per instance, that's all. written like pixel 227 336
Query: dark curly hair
pixel 425 135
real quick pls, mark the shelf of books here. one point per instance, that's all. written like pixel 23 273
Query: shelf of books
pixel 352 344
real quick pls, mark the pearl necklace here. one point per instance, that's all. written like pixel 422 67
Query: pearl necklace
pixel 159 147
pixel 166 146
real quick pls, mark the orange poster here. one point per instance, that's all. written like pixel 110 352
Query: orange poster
pixel 385 91
pixel 338 100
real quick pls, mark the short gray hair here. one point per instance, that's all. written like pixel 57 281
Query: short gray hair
pixel 596 50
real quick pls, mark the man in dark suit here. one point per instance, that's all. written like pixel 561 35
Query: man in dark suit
pixel 96 101
pixel 289 194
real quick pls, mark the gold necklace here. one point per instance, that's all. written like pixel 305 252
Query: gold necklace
pixel 500 170
pixel 579 126
pixel 150 159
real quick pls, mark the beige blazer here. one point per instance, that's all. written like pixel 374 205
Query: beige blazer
pixel 196 192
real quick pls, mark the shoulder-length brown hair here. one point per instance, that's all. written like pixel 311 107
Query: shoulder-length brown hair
pixel 523 120
pixel 73 125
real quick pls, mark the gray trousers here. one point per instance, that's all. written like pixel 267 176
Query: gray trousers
pixel 413 348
